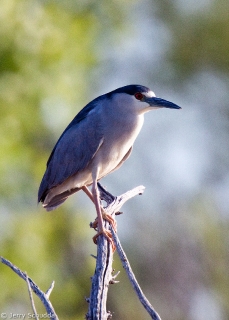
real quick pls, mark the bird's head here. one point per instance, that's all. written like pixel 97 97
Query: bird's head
pixel 141 98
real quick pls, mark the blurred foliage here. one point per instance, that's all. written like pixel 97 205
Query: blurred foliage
pixel 200 38
pixel 46 54
pixel 49 52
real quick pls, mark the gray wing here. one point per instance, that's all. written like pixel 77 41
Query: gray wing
pixel 72 153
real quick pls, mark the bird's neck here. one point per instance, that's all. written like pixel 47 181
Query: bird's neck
pixel 129 127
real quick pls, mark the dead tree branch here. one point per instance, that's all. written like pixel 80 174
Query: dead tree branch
pixel 44 297
pixel 103 271
pixel 31 297
pixel 126 265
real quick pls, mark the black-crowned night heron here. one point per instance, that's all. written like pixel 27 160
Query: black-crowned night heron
pixel 97 142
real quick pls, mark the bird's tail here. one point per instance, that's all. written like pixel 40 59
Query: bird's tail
pixel 50 207
pixel 58 199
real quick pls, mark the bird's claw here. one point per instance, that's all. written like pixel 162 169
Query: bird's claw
pixel 107 234
pixel 101 230
pixel 108 218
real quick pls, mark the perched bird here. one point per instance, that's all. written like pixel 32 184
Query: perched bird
pixel 97 142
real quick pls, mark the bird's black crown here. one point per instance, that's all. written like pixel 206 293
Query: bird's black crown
pixel 130 89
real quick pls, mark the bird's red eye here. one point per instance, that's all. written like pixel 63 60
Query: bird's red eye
pixel 138 96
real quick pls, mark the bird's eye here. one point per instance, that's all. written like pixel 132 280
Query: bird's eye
pixel 138 96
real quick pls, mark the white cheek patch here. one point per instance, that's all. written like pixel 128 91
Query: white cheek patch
pixel 141 106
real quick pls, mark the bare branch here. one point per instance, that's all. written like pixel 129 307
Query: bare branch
pixel 103 275
pixel 103 272
pixel 101 280
pixel 41 295
pixel 126 265
pixel 119 201
pixel 49 291
pixel 31 297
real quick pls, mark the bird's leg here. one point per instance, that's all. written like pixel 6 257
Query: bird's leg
pixel 88 193
pixel 105 216
pixel 101 229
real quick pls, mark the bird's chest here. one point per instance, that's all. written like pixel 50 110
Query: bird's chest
pixel 117 141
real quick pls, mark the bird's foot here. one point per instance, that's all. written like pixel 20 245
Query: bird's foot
pixel 107 234
pixel 108 218
pixel 101 229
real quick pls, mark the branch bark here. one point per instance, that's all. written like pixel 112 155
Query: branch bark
pixel 103 271
pixel 100 281
pixel 126 265
pixel 31 297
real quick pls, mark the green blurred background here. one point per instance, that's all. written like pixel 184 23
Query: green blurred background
pixel 56 56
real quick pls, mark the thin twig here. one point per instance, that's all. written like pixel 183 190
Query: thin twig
pixel 41 295
pixel 31 297
pixel 49 291
pixel 126 265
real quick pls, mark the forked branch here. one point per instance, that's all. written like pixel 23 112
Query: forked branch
pixel 103 272
pixel 44 297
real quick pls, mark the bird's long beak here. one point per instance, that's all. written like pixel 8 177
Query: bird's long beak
pixel 161 103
